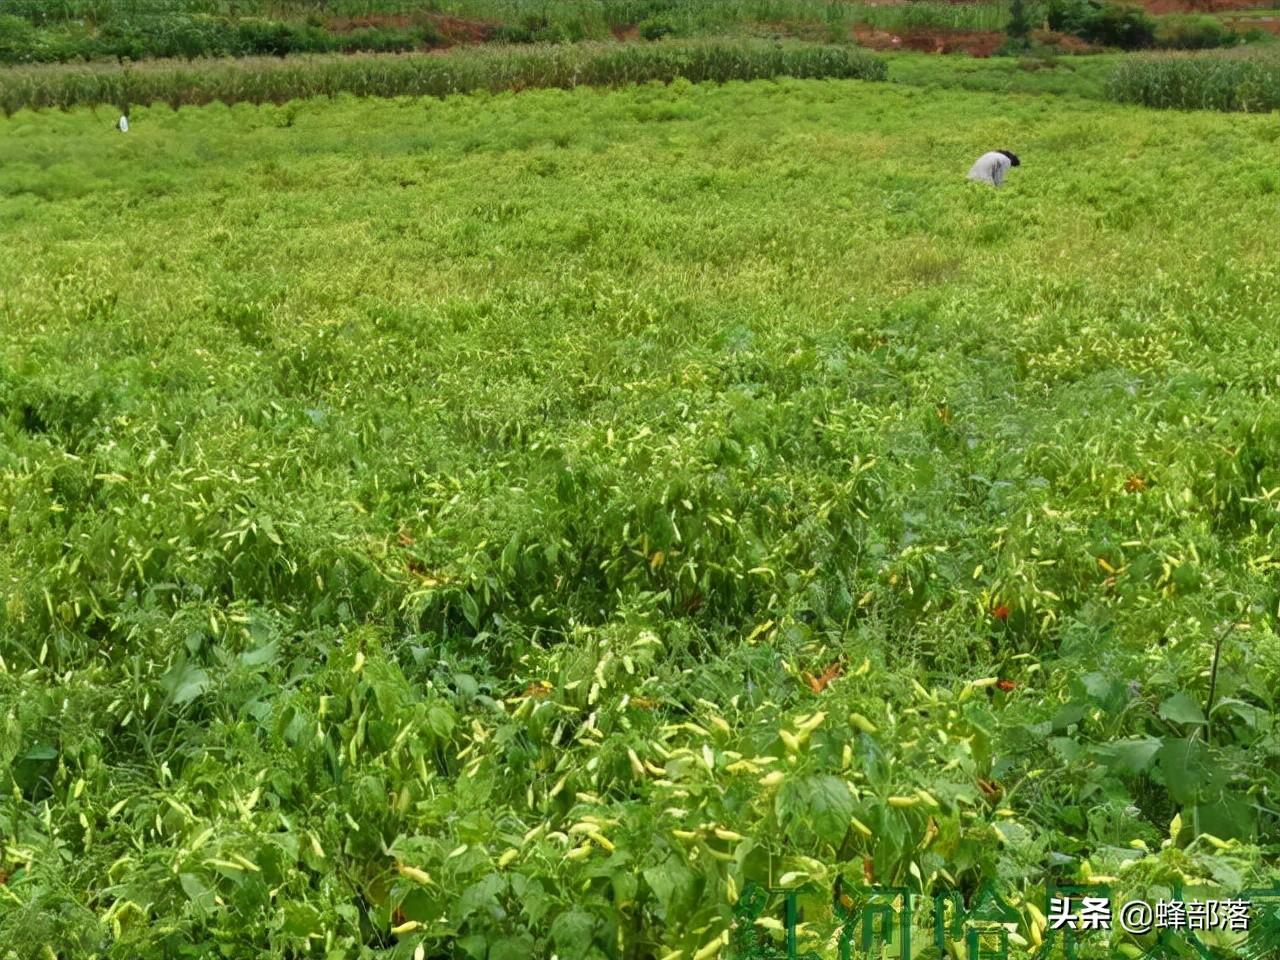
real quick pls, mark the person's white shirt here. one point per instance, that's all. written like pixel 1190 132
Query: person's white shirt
pixel 990 168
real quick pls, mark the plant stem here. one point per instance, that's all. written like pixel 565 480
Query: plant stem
pixel 1213 681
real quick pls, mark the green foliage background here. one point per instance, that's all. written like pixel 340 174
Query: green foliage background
pixel 420 516
pixel 41 31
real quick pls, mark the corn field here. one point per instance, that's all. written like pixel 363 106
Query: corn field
pixel 269 80
pixel 1248 82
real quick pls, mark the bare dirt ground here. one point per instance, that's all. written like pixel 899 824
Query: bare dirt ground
pixel 977 43
pixel 452 30
pixel 1202 6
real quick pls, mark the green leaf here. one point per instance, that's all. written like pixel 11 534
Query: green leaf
pixel 474 945
pixel 1070 714
pixel 512 948
pixel 39 753
pixel 440 720
pixel 481 896
pixel 1065 747
pixel 673 884
pixel 1104 690
pixel 201 897
pixel 1188 770
pixel 1130 756
pixel 184 682
pixel 301 919
pixel 268 653
pixel 1228 818
pixel 1180 708
pixel 572 934
pixel 471 610
pixel 821 802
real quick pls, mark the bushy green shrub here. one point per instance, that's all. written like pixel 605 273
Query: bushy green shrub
pixel 1122 25
pixel 1109 24
pixel 266 38
pixel 532 28
pixel 16 38
pixel 32 11
pixel 1193 33
pixel 1069 16
pixel 190 36
pixel 1019 26
pixel 655 28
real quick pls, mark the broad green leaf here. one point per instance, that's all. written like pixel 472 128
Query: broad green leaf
pixel 481 896
pixel 201 897
pixel 1065 747
pixel 1070 714
pixel 266 654
pixel 822 802
pixel 1188 770
pixel 1130 756
pixel 1228 818
pixel 512 948
pixel 673 884
pixel 1180 708
pixel 1104 690
pixel 301 919
pixel 572 934
pixel 184 682
pixel 470 610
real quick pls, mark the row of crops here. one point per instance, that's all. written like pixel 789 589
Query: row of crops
pixel 503 527
pixel 264 81
pixel 1246 80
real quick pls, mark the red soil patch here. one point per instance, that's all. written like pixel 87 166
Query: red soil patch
pixel 813 30
pixel 371 22
pixel 463 30
pixel 1202 6
pixel 1062 42
pixel 976 43
pixel 450 29
pixel 1245 24
pixel 899 3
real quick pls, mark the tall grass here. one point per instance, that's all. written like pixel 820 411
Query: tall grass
pixel 262 80
pixel 923 14
pixel 1059 76
pixel 1244 81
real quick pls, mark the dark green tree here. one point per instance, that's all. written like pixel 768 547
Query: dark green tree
pixel 1019 27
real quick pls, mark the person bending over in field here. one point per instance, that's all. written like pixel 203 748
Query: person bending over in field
pixel 991 167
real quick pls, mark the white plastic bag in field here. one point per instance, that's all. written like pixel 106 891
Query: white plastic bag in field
pixel 123 125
